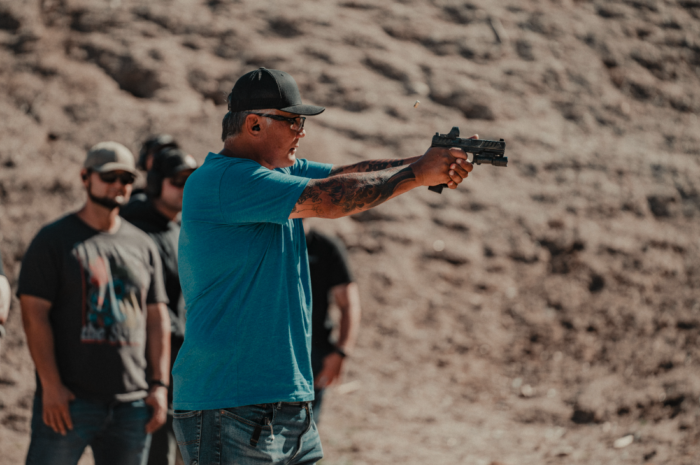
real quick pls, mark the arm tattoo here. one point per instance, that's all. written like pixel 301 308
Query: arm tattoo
pixel 367 166
pixel 352 193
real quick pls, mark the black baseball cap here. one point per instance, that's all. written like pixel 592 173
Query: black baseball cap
pixel 171 160
pixel 154 144
pixel 269 88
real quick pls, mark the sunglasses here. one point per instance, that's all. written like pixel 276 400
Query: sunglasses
pixel 178 181
pixel 111 176
pixel 297 123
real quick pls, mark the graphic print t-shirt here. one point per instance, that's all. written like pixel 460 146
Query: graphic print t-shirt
pixel 142 214
pixel 99 284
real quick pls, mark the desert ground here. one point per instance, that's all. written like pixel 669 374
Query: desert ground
pixel 543 313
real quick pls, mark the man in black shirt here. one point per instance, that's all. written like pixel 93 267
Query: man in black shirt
pixel 156 216
pixel 93 308
pixel 4 301
pixel 330 276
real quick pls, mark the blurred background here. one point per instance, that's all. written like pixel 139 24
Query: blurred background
pixel 539 314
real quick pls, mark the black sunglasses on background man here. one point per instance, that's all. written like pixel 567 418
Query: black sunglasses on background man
pixel 111 176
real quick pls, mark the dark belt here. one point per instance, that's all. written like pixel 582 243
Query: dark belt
pixel 295 404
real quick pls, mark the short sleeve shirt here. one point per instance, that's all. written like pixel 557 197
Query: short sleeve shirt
pixel 99 285
pixel 245 277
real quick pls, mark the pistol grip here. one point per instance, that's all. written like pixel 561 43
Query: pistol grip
pixel 437 188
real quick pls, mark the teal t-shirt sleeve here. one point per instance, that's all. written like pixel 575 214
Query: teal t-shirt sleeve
pixel 251 193
pixel 310 169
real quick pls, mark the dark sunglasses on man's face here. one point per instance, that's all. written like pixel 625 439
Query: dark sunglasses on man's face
pixel 111 176
pixel 178 181
pixel 297 123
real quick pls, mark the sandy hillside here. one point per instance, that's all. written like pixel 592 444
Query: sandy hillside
pixel 534 316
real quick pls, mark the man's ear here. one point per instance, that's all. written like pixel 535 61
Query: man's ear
pixel 252 124
pixel 84 175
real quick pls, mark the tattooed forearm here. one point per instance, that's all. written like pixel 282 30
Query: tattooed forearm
pixel 309 195
pixel 368 166
pixel 338 196
pixel 363 192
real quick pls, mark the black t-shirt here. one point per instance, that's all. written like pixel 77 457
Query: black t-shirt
pixel 328 265
pixel 165 233
pixel 99 284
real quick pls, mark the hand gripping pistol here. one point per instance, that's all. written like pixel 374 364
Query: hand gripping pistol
pixel 488 152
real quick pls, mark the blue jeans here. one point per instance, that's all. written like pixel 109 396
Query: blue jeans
pixel 116 431
pixel 281 433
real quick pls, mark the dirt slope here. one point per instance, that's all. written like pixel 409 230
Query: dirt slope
pixel 564 310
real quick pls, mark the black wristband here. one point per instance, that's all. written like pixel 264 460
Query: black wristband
pixel 157 382
pixel 340 351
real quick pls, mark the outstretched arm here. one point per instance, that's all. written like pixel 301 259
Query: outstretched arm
pixel 376 165
pixel 347 194
pixel 371 165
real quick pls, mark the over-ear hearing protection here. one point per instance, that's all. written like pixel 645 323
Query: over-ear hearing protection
pixel 166 163
pixel 153 145
pixel 154 184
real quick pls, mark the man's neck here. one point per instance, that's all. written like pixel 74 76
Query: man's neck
pixel 164 210
pixel 99 217
pixel 237 148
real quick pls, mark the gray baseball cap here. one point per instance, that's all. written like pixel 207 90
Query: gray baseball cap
pixel 110 156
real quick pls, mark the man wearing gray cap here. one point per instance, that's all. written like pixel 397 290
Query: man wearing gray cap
pixel 93 308
pixel 243 378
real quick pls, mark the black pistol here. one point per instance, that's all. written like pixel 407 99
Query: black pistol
pixel 489 152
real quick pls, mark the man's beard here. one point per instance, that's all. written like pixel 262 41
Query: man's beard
pixel 106 202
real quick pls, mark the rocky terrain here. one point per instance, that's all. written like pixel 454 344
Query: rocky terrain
pixel 545 313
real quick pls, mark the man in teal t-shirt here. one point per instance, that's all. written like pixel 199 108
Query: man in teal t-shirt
pixel 242 379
